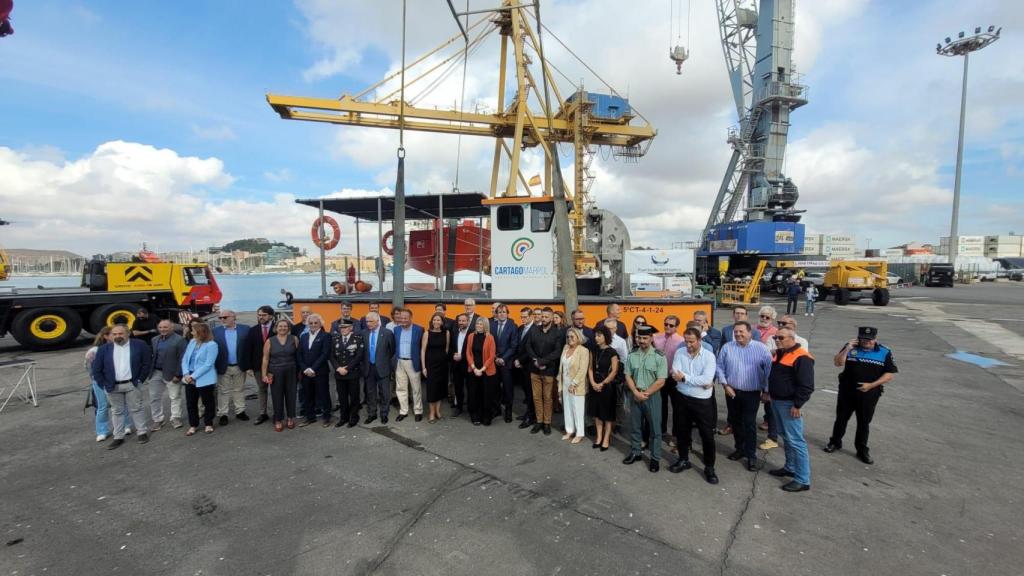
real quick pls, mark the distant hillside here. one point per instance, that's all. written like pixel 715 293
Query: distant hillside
pixel 29 253
pixel 253 245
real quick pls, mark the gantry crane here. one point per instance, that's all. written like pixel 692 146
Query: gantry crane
pixel 758 46
pixel 583 119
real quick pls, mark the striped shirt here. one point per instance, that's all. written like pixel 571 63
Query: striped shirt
pixel 744 367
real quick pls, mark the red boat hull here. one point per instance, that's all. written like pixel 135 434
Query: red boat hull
pixel 472 244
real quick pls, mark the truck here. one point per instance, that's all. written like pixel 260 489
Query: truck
pixel 848 280
pixel 940 275
pixel 110 293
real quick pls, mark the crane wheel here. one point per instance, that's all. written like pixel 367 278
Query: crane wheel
pixel 46 328
pixel 880 297
pixel 842 297
pixel 112 314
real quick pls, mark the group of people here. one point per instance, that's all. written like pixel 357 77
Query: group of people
pixel 583 372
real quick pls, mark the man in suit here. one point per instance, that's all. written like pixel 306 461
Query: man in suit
pixel 522 365
pixel 301 327
pixel 254 341
pixel 711 335
pixel 380 348
pixel 579 321
pixel 614 312
pixel 120 367
pixel 346 314
pixel 408 365
pixel 314 353
pixel 469 306
pixel 374 309
pixel 232 364
pixel 506 345
pixel 168 349
pixel 347 353
pixel 459 366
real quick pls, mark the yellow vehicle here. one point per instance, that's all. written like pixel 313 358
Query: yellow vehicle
pixel 847 280
pixel 110 293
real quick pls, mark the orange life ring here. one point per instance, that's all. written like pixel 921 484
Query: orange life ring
pixel 335 232
pixel 389 250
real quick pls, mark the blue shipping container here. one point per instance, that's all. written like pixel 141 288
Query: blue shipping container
pixel 607 106
pixel 756 238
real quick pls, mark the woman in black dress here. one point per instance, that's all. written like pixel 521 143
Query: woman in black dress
pixel 602 394
pixel 434 355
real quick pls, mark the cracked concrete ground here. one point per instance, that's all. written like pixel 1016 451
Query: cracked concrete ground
pixel 450 498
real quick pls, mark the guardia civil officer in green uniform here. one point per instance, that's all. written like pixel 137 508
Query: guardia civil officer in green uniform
pixel 867 367
pixel 646 370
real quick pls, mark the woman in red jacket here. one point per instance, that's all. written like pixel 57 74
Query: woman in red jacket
pixel 480 353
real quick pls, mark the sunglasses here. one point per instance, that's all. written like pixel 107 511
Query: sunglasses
pixel 224 317
pixel 669 325
pixel 778 338
pixel 766 317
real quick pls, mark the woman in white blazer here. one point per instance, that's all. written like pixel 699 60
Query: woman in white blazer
pixel 572 383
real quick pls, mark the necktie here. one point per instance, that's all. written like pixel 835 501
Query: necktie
pixel 373 347
pixel 501 326
pixel 266 331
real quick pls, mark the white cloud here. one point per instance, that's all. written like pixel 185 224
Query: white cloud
pixel 214 133
pixel 277 176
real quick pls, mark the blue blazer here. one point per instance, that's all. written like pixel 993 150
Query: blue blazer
pixel 103 366
pixel 507 344
pixel 204 369
pixel 714 337
pixel 414 347
pixel 241 350
pixel 317 356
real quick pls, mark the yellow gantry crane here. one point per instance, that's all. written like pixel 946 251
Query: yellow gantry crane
pixel 514 125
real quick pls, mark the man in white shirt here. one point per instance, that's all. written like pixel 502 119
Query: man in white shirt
pixel 120 367
pixel 693 371
pixel 618 343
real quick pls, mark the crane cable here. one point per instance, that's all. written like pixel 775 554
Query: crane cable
pixel 462 102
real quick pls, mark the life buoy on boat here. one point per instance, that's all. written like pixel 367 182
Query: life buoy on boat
pixel 388 243
pixel 328 243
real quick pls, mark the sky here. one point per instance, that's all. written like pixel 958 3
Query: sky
pixel 125 123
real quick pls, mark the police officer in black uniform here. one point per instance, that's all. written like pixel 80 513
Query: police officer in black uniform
pixel 867 366
pixel 347 351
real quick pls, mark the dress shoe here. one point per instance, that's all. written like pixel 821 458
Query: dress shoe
pixel 795 486
pixel 401 417
pixel 680 465
pixel 536 428
pixel 223 421
pixel 865 457
pixel 596 445
pixel 242 416
pixel 457 412
pixel 143 438
pixel 419 417
pixel 781 473
pixel 526 423
pixel 383 419
pixel 547 429
pixel 290 424
pixel 735 455
pixel 604 448
pixel 261 419
pixel 710 476
pixel 370 418
pixel 339 424
pixel 115 444
pixel 508 415
pixel 278 426
pixel 630 458
pixel 176 423
pixel 830 447
pixel 487 422
pixel 352 423
pixel 753 465
pixel 654 466
pixel 306 422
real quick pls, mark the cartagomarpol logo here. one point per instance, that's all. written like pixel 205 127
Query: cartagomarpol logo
pixel 520 247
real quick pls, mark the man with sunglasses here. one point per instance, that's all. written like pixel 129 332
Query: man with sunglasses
pixel 867 367
pixel 232 363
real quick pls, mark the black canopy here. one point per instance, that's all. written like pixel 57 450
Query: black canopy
pixel 417 207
